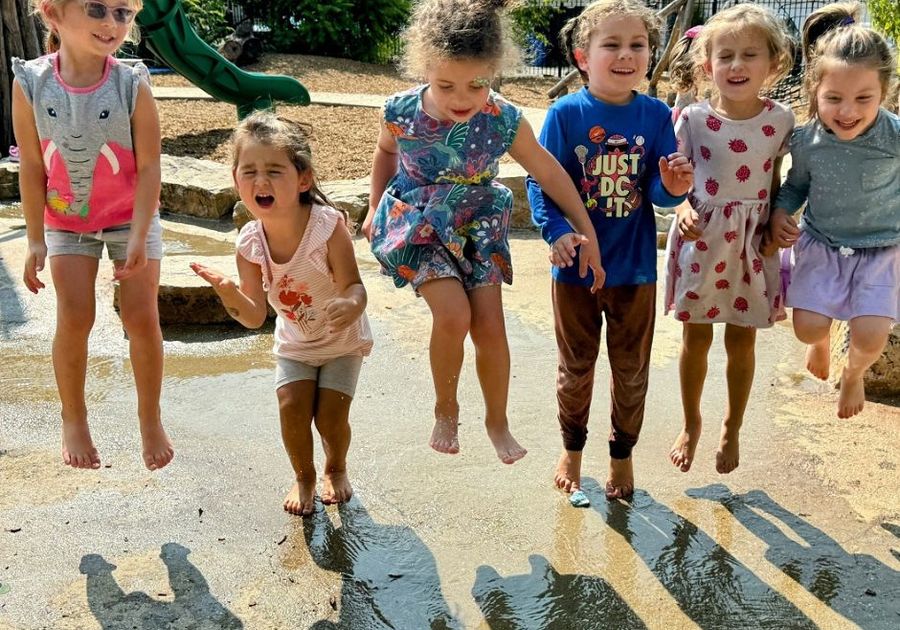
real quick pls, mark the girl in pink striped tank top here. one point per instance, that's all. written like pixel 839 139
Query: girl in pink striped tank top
pixel 298 257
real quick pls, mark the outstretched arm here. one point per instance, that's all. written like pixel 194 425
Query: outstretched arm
pixel 32 186
pixel 384 167
pixel 247 303
pixel 557 184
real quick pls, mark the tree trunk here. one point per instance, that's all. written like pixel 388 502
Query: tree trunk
pixel 20 38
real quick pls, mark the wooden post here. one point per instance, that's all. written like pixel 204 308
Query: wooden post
pixel 20 38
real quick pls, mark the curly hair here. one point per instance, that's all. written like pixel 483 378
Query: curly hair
pixel 459 29
pixel 576 33
pixel 831 34
pixel 285 135
pixel 51 42
pixel 738 18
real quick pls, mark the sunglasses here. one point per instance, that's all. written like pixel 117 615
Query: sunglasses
pixel 98 11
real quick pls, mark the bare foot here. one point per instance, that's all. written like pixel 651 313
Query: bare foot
pixel 157 449
pixel 728 453
pixel 818 358
pixel 853 396
pixel 336 487
pixel 682 452
pixel 620 484
pixel 301 500
pixel 568 471
pixel 445 434
pixel 77 447
pixel 508 450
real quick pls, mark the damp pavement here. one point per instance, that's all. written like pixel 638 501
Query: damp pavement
pixel 805 534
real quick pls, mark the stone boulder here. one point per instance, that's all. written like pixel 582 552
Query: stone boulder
pixel 198 188
pixel 883 378
pixel 241 215
pixel 9 179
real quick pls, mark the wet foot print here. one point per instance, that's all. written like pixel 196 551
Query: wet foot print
pixel 336 487
pixel 78 449
pixel 445 434
pixel 818 359
pixel 620 484
pixel 728 453
pixel 157 449
pixel 568 471
pixel 508 449
pixel 301 500
pixel 853 396
pixel 682 452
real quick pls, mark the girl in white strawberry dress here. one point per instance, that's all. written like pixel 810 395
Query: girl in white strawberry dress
pixel 715 271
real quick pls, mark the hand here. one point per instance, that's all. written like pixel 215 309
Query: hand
pixel 367 224
pixel 783 228
pixel 562 254
pixel 768 246
pixel 677 174
pixel 135 258
pixel 218 280
pixel 341 312
pixel 687 219
pixel 34 262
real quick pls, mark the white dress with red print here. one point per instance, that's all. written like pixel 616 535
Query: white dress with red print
pixel 300 288
pixel 723 277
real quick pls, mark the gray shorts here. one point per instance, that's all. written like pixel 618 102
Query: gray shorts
pixel 339 374
pixel 62 242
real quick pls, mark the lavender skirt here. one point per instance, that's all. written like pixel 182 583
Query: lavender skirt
pixel 842 285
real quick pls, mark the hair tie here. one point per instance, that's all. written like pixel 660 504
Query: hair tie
pixel 692 32
pixel 847 21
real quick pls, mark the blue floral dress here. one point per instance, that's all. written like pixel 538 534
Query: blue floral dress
pixel 442 214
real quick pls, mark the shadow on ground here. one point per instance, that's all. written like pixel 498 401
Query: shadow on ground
pixel 857 586
pixel 389 577
pixel 193 607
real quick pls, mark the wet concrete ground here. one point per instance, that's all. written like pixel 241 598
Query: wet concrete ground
pixel 806 533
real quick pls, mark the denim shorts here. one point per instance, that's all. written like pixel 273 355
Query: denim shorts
pixel 340 374
pixel 64 242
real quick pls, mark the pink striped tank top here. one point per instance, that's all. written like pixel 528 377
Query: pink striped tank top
pixel 299 289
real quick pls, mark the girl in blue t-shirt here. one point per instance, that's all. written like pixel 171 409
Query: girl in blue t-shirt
pixel 437 219
pixel 618 147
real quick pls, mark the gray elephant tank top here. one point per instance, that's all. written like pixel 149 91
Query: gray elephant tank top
pixel 86 142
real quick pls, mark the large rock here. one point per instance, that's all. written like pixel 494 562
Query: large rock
pixel 883 378
pixel 199 188
pixel 9 179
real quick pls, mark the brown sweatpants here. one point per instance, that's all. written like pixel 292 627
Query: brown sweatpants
pixel 630 313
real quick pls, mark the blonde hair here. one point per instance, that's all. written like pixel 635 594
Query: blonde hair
pixel 576 33
pixel 51 42
pixel 443 30
pixel 285 135
pixel 681 64
pixel 738 18
pixel 832 34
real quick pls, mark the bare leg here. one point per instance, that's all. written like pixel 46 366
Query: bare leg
pixel 693 363
pixel 568 471
pixel 296 402
pixel 492 363
pixel 868 335
pixel 140 316
pixel 333 423
pixel 73 279
pixel 449 327
pixel 814 329
pixel 740 346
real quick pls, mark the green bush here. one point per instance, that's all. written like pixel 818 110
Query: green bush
pixel 208 19
pixel 355 29
pixel 886 17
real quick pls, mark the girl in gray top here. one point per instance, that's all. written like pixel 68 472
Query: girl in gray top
pixel 846 168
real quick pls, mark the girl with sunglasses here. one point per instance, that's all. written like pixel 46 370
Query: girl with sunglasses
pixel 89 140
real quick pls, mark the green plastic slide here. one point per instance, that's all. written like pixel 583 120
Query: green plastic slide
pixel 169 35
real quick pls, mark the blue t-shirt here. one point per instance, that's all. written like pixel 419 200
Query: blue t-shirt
pixel 851 187
pixel 612 153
